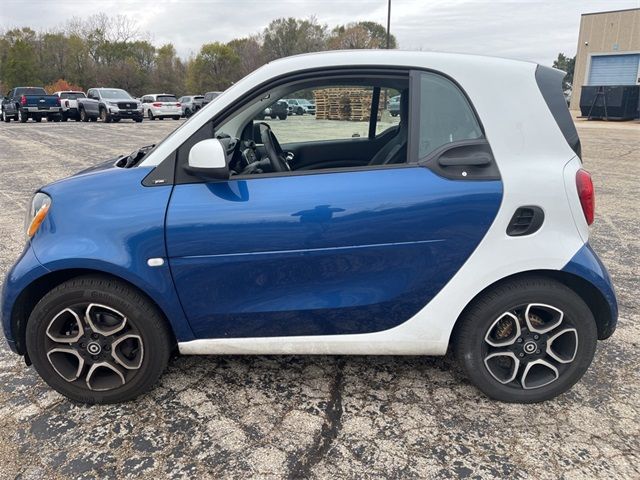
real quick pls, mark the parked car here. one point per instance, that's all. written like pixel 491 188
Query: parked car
pixel 23 103
pixel 110 105
pixel 297 107
pixel 210 96
pixel 161 105
pixel 308 106
pixel 190 104
pixel 69 104
pixel 279 109
pixel 393 105
pixel 213 243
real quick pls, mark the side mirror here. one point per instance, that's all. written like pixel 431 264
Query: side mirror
pixel 208 159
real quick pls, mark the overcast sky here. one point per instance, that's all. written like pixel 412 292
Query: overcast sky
pixel 527 29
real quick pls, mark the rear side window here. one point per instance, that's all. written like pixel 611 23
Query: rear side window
pixel 72 95
pixel 445 115
pixel 550 84
pixel 30 91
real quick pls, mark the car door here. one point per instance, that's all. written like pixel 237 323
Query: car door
pixel 10 104
pixel 332 251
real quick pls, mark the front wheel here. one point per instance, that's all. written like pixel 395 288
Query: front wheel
pixel 5 118
pixel 104 116
pixel 526 341
pixel 97 340
pixel 83 115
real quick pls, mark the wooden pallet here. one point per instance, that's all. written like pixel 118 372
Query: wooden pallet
pixel 344 103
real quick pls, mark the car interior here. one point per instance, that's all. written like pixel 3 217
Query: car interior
pixel 255 147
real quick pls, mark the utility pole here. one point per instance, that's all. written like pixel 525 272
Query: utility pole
pixel 388 23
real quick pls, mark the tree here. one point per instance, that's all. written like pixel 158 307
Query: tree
pixel 21 65
pixel 250 53
pixel 61 85
pixel 360 35
pixel 291 36
pixel 169 72
pixel 566 64
pixel 216 67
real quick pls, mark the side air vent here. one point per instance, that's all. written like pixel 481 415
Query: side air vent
pixel 525 221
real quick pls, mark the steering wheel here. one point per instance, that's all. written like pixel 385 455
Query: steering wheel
pixel 274 151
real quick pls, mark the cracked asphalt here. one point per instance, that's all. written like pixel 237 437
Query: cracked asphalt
pixel 324 417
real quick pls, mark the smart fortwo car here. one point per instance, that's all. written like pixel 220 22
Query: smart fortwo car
pixel 461 224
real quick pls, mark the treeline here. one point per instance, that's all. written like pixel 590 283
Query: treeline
pixel 111 51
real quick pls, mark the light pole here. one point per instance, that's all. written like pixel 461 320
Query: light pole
pixel 388 22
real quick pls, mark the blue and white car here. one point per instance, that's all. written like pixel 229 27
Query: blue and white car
pixel 464 227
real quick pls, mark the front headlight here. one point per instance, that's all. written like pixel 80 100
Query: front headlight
pixel 113 104
pixel 36 213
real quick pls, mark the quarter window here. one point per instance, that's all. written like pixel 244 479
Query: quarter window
pixel 445 115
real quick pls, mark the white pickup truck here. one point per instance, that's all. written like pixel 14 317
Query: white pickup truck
pixel 69 104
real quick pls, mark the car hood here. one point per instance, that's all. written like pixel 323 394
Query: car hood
pixel 104 165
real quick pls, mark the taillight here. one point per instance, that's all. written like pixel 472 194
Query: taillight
pixel 157 104
pixel 178 105
pixel 23 100
pixel 586 193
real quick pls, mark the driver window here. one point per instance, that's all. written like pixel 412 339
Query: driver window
pixel 328 113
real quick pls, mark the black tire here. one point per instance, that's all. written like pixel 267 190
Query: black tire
pixel 187 113
pixel 138 120
pixel 64 117
pixel 142 318
pixel 273 116
pixel 38 118
pixel 104 115
pixel 93 119
pixel 282 116
pixel 150 115
pixel 299 111
pixel 83 115
pixel 22 117
pixel 177 117
pixel 482 317
pixel 6 118
pixel 115 120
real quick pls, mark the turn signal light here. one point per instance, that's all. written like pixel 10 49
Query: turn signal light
pixel 38 219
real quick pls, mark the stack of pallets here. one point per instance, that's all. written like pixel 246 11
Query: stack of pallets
pixel 343 103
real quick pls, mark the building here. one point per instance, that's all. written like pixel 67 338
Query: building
pixel 608 51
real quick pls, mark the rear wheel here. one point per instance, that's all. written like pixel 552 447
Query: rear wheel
pixel 96 340
pixel 177 117
pixel 526 341
pixel 83 115
pixel 5 118
pixel 150 115
pixel 22 117
pixel 282 116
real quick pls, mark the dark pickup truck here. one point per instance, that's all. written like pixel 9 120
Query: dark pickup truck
pixel 23 103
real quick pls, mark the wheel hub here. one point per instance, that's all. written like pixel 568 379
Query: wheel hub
pixel 94 348
pixel 530 347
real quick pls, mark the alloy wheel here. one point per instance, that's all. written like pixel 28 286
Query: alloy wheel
pixel 94 346
pixel 530 346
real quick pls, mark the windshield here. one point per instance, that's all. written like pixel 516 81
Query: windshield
pixel 166 98
pixel 72 95
pixel 114 93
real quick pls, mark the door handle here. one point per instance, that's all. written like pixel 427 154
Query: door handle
pixel 475 161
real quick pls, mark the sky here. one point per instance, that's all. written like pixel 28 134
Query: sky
pixel 534 30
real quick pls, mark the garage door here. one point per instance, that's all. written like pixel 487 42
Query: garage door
pixel 614 70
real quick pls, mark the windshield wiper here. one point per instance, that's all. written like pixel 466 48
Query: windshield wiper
pixel 128 161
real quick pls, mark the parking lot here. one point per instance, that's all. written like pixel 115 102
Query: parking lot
pixel 324 417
